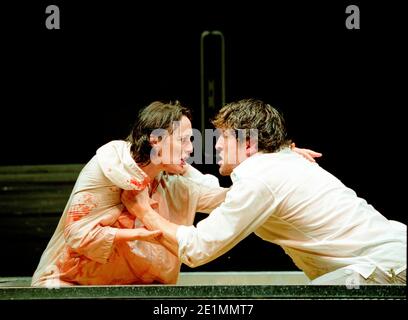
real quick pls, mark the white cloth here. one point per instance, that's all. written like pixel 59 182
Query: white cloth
pixel 320 223
pixel 352 279
pixel 206 180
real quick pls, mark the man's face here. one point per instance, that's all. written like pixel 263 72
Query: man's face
pixel 177 147
pixel 230 151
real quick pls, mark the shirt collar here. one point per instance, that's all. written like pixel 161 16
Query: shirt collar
pixel 245 166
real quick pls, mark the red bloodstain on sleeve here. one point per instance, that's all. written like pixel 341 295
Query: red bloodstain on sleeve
pixel 81 207
pixel 140 185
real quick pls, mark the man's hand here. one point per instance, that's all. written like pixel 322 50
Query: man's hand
pixel 306 153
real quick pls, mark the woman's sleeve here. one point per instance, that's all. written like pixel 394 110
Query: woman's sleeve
pixel 90 216
pixel 118 166
pixel 88 229
pixel 210 198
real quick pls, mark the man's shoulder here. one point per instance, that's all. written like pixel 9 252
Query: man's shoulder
pixel 261 164
pixel 270 169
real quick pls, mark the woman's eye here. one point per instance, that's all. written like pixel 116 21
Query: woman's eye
pixel 185 139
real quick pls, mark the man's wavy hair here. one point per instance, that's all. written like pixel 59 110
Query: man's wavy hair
pixel 157 115
pixel 254 114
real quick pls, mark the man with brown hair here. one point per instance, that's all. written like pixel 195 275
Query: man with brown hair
pixel 329 232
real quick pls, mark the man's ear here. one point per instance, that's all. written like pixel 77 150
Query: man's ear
pixel 251 147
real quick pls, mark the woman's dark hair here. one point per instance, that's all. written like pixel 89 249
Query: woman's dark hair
pixel 254 114
pixel 157 115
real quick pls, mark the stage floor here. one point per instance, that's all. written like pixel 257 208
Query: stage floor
pixel 206 285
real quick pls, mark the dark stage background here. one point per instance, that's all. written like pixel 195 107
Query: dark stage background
pixel 66 92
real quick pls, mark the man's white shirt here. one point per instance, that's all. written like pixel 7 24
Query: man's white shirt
pixel 319 222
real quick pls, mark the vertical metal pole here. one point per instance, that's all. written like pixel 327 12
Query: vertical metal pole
pixel 220 34
pixel 204 34
pixel 212 71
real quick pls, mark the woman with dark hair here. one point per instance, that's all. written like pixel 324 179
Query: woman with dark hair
pixel 97 241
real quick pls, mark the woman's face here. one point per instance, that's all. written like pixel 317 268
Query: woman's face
pixel 175 149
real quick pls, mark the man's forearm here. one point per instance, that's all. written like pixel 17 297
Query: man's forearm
pixel 153 221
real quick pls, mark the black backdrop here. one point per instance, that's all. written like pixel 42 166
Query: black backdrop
pixel 66 92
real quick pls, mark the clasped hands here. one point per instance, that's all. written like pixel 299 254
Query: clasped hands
pixel 138 202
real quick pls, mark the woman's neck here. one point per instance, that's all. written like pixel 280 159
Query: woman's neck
pixel 152 170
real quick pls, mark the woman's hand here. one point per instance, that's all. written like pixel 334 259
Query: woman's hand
pixel 306 153
pixel 136 202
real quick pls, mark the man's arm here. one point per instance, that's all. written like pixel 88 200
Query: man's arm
pixel 247 205
pixel 137 234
